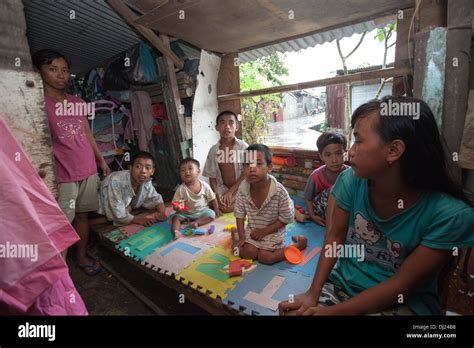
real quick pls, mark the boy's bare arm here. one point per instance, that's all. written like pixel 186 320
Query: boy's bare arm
pixel 213 184
pixel 215 206
pixel 259 233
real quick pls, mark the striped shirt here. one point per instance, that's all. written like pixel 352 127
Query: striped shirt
pixel 277 206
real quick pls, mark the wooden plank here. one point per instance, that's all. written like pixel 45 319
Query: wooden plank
pixel 124 11
pixel 22 107
pixel 376 74
pixel 456 88
pixel 228 81
pixel 402 57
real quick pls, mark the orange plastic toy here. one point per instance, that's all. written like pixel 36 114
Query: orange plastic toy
pixel 293 255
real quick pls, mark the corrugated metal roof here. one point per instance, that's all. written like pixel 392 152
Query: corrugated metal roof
pixel 96 34
pixel 310 41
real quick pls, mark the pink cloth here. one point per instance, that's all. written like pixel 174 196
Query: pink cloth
pixel 75 159
pixel 31 219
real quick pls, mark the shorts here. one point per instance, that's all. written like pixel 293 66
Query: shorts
pixel 332 294
pixel 194 216
pixel 320 203
pixel 79 196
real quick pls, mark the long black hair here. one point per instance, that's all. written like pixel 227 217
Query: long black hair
pixel 46 56
pixel 423 164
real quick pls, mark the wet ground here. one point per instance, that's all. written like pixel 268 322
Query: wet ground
pixel 295 132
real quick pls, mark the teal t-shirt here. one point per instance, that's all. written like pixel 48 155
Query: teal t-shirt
pixel 437 221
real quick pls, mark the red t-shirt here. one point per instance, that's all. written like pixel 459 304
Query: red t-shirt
pixel 72 150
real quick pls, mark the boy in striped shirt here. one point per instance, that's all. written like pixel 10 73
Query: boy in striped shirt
pixel 269 209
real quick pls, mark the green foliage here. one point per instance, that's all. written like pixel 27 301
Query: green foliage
pixel 255 75
pixel 386 32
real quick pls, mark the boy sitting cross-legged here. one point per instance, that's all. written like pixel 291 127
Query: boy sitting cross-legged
pixel 268 207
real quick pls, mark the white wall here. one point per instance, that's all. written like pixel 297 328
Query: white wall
pixel 205 107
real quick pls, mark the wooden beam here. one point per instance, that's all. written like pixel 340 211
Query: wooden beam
pixel 228 81
pixel 456 88
pixel 376 74
pixel 127 14
pixel 401 85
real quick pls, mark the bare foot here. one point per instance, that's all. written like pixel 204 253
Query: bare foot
pixel 193 224
pixel 176 234
pixel 301 242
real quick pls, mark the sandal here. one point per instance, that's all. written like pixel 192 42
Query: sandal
pixel 90 269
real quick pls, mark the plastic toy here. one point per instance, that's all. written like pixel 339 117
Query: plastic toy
pixel 236 267
pixel 293 255
pixel 211 229
pixel 229 228
pixel 179 205
pixel 199 231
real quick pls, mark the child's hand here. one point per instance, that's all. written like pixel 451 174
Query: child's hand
pixel 258 233
pixel 300 304
pixel 319 220
pixel 144 220
pixel 159 216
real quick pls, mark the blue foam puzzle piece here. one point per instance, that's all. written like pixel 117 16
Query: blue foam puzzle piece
pixel 143 243
pixel 257 280
pixel 182 246
pixel 199 231
pixel 315 235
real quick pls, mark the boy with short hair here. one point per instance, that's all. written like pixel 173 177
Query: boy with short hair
pixel 224 166
pixel 331 147
pixel 268 207
pixel 195 195
pixel 125 190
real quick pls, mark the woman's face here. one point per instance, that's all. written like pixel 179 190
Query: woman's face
pixel 56 74
pixel 368 155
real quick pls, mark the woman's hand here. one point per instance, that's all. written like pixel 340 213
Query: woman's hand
pixel 299 305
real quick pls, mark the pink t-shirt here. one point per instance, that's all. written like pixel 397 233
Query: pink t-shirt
pixel 75 159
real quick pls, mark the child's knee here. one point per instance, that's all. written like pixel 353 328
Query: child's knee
pixel 248 251
pixel 266 257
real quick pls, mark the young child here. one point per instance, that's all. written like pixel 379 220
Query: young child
pixel 224 166
pixel 397 202
pixel 75 152
pixel 331 147
pixel 196 195
pixel 268 207
pixel 123 191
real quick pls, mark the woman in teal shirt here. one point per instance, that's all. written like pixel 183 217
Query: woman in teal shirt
pixel 399 209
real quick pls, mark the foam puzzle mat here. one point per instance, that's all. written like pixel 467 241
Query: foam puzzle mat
pixel 201 262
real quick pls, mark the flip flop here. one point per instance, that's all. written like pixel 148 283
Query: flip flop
pixel 96 268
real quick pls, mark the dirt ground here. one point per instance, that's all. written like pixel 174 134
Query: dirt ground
pixel 104 294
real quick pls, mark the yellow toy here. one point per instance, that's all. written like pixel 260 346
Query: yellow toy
pixel 229 228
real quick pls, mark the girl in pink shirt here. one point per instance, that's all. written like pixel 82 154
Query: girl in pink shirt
pixel 74 148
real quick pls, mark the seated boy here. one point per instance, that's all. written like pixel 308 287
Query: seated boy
pixel 196 196
pixel 224 162
pixel 268 207
pixel 331 147
pixel 125 190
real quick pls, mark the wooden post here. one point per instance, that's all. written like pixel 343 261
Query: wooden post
pixel 124 11
pixel 456 87
pixel 21 90
pixel 228 81
pixel 402 85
